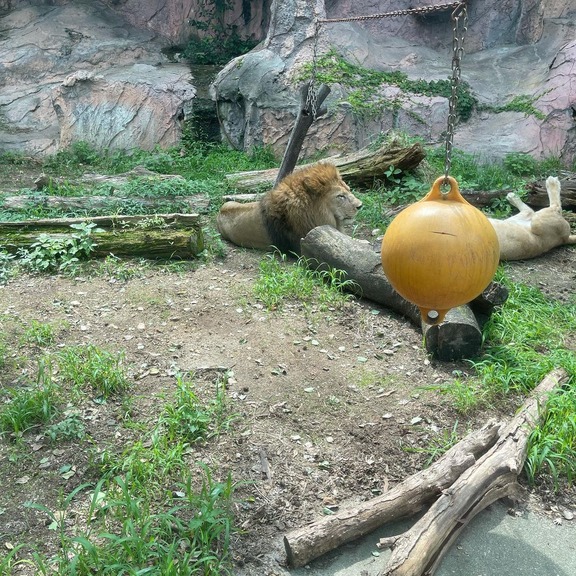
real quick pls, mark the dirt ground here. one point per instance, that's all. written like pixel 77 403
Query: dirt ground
pixel 336 404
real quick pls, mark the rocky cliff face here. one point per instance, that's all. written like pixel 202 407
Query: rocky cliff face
pixel 94 70
pixel 513 48
pixel 76 71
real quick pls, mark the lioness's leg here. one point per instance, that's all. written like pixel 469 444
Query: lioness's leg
pixel 553 189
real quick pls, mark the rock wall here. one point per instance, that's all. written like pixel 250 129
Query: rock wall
pixel 171 19
pixel 77 71
pixel 513 48
pixel 94 70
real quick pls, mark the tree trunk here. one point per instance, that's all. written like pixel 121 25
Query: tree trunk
pixel 157 236
pixel 458 336
pixel 306 115
pixel 362 168
pixel 475 472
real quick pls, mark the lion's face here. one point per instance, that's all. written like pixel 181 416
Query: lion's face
pixel 342 203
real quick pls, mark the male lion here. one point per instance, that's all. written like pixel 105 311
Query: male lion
pixel 529 234
pixel 309 197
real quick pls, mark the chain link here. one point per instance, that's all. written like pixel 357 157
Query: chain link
pixel 460 25
pixel 406 12
pixel 312 96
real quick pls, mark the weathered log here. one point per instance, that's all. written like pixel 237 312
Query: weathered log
pixel 404 500
pixel 419 550
pixel 189 203
pixel 538 195
pixel 306 115
pixel 176 236
pixel 120 221
pixel 478 470
pixel 362 168
pixel 114 181
pixel 458 336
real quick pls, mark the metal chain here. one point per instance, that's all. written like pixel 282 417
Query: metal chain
pixel 312 96
pixel 407 12
pixel 459 12
pixel 460 25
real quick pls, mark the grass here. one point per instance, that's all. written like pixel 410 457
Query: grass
pixel 280 280
pixel 91 367
pixel 27 407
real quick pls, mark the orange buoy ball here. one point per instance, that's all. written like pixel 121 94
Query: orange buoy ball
pixel 440 252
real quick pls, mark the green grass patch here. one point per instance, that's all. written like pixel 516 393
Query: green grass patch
pixel 282 279
pixel 91 367
pixel 25 407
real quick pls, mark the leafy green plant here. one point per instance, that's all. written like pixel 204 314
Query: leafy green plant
pixel 552 444
pixel 363 85
pixel 522 103
pixel 6 269
pixel 190 420
pixel 52 253
pixel 93 367
pixel 127 536
pixel 70 428
pixel 40 333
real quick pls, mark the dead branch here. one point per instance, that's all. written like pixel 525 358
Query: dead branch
pixel 419 550
pixel 404 500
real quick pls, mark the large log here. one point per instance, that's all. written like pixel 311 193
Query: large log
pixel 21 202
pixel 156 236
pixel 458 336
pixel 404 500
pixel 362 168
pixel 419 550
pixel 479 469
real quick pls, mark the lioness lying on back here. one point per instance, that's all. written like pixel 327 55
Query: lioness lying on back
pixel 305 199
pixel 529 234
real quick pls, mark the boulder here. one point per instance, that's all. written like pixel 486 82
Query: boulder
pixel 513 48
pixel 77 71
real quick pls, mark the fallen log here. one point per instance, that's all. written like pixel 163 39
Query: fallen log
pixel 402 501
pixel 113 181
pixel 458 336
pixel 420 550
pixel 481 468
pixel 153 236
pixel 362 168
pixel 538 195
pixel 184 203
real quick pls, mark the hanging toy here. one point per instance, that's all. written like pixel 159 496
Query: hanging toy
pixel 440 252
